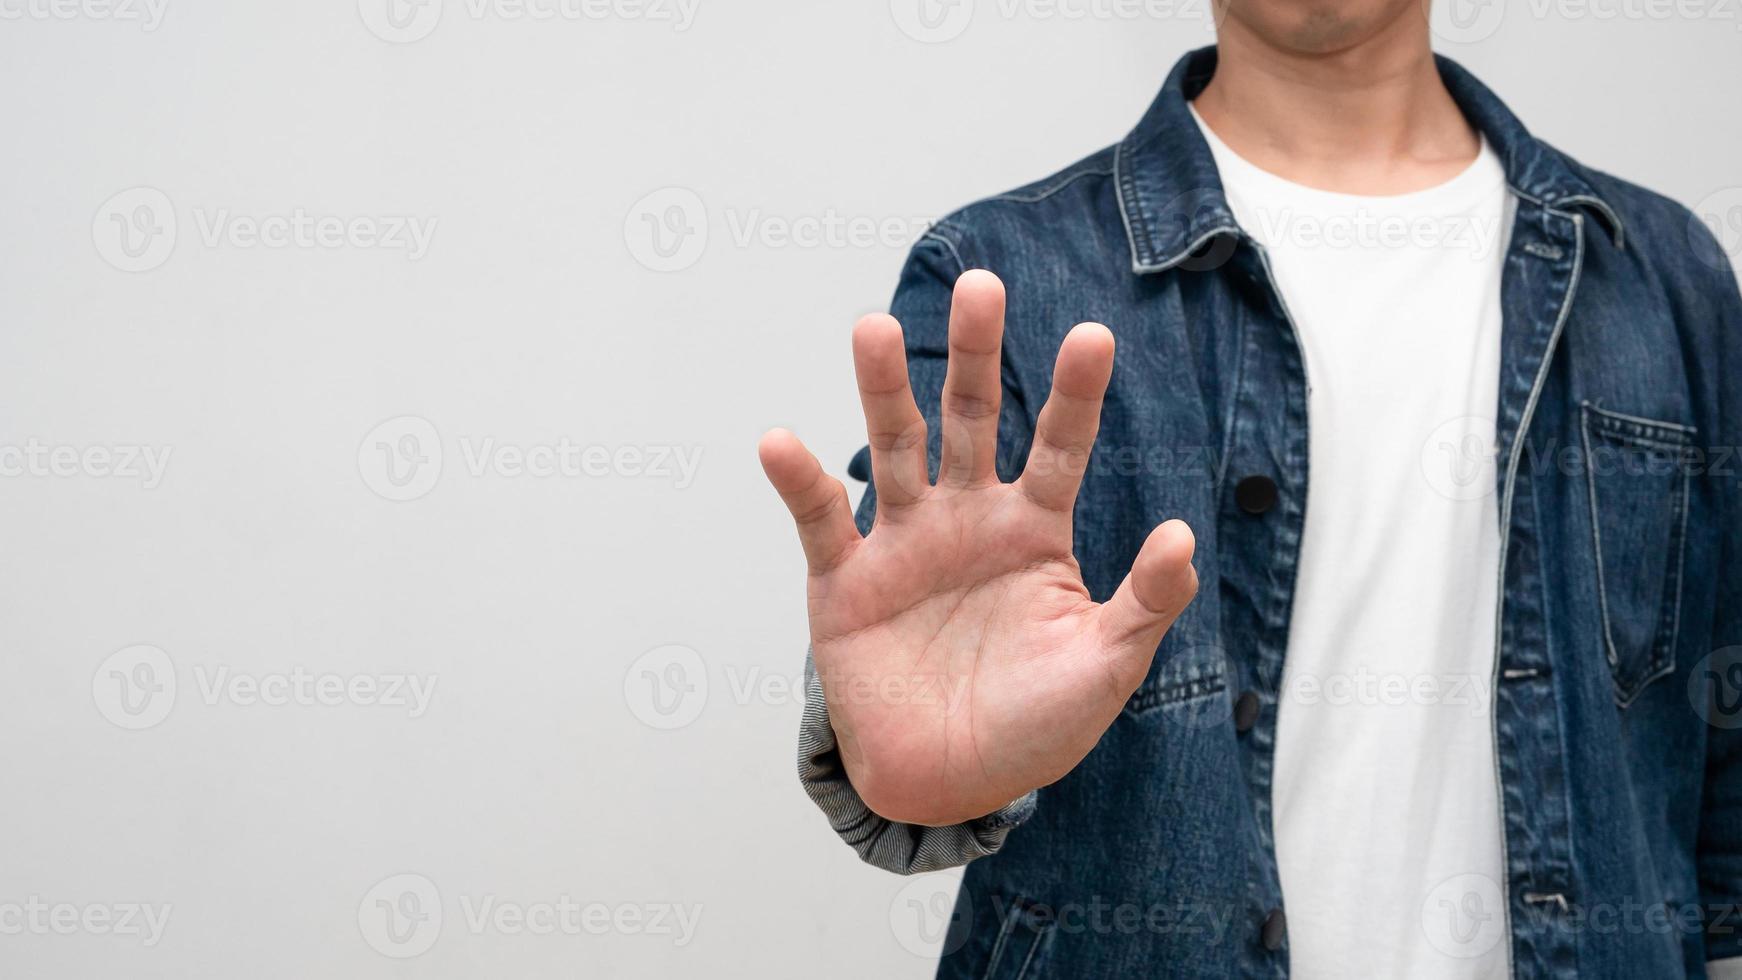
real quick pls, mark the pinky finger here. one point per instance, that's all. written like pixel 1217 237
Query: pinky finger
pixel 818 502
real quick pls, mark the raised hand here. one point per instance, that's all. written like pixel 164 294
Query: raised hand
pixel 963 661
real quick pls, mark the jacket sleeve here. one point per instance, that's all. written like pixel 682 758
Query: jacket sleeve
pixel 922 304
pixel 1719 852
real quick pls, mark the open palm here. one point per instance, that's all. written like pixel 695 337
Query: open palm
pixel 963 661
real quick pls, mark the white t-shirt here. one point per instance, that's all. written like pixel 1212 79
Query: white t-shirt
pixel 1387 819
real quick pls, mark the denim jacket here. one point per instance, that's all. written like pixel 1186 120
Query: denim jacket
pixel 1617 729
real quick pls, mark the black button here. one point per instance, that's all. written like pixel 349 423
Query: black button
pixel 1275 930
pixel 1255 494
pixel 1245 712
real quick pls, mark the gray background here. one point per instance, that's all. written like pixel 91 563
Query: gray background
pixel 545 610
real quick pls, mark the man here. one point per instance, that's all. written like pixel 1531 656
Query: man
pixel 1451 719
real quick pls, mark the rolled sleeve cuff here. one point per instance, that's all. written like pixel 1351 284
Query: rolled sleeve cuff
pixel 898 847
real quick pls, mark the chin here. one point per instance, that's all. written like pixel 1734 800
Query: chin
pixel 1313 27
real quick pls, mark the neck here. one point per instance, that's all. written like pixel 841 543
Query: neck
pixel 1373 118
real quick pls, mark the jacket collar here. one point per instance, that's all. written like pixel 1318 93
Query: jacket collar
pixel 1171 194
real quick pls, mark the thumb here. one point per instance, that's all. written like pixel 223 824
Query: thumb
pixel 1161 584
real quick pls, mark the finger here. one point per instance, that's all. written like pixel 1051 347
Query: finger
pixel 1161 584
pixel 1065 431
pixel 892 421
pixel 973 382
pixel 818 501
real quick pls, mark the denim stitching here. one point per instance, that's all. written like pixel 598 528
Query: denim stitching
pixel 1662 648
pixel 1609 212
pixel 1609 651
pixel 935 233
pixel 1018 908
pixel 1022 971
pixel 1507 494
pixel 1229 423
pixel 1125 188
pixel 1675 434
pixel 1046 192
pixel 1666 649
pixel 1003 934
pixel 1681 574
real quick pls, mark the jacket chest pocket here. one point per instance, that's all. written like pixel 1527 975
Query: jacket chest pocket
pixel 1638 476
